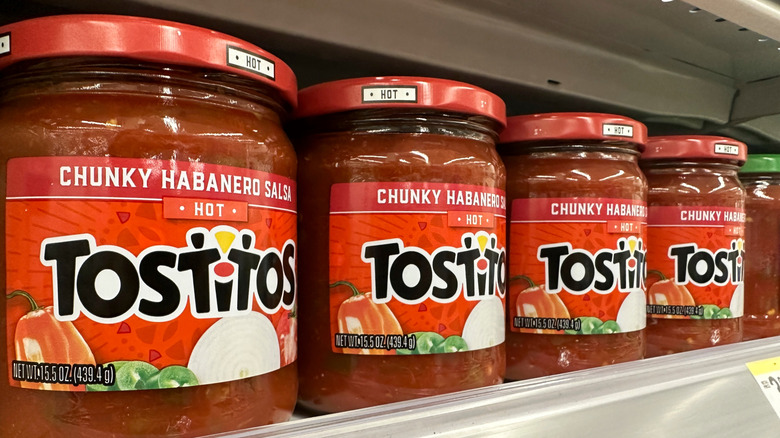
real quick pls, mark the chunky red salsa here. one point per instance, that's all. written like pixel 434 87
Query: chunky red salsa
pixel 401 241
pixel 139 196
pixel 577 242
pixel 695 261
pixel 761 177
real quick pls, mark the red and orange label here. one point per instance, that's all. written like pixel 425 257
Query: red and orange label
pixel 416 268
pixel 130 274
pixel 577 265
pixel 695 262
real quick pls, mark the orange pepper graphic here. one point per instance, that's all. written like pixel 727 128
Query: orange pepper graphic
pixel 359 314
pixel 666 292
pixel 41 338
pixel 536 302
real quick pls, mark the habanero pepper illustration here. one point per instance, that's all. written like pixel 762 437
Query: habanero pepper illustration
pixel 665 292
pixel 41 338
pixel 359 314
pixel 287 331
pixel 536 302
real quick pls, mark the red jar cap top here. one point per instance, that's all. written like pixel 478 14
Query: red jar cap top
pixel 695 146
pixel 574 126
pixel 143 39
pixel 399 92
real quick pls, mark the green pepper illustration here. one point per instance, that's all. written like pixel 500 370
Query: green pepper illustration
pixel 173 376
pixel 711 311
pixel 99 386
pixel 724 313
pixel 431 342
pixel 608 328
pixel 428 342
pixel 591 325
pixel 133 373
pixel 453 344
pixel 137 374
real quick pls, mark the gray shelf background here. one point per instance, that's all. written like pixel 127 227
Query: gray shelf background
pixel 696 66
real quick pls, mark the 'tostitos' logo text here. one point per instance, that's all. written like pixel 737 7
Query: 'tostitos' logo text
pixel 411 274
pixel 219 272
pixel 702 267
pixel 578 271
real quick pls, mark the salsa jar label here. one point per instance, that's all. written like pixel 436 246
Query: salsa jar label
pixel 416 268
pixel 695 263
pixel 577 265
pixel 126 274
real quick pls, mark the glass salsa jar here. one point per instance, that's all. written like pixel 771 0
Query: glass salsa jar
pixel 761 178
pixel 402 240
pixel 696 234
pixel 576 242
pixel 149 193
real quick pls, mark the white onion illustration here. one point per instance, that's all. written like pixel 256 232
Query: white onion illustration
pixel 235 348
pixel 632 314
pixel 485 325
pixel 737 305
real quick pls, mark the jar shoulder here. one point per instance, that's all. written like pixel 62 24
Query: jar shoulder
pixel 351 157
pixel 695 187
pixel 596 176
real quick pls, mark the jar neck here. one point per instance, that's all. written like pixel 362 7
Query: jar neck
pixel 690 166
pixel 401 121
pixel 620 151
pixel 119 75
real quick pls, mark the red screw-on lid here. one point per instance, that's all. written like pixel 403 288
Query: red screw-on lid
pixel 574 126
pixel 143 39
pixel 399 92
pixel 695 146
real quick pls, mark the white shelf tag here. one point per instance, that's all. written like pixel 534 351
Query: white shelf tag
pixel 375 94
pixel 617 130
pixel 727 149
pixel 251 62
pixel 767 374
pixel 5 44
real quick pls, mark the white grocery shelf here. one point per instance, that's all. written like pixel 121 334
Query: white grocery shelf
pixel 706 393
